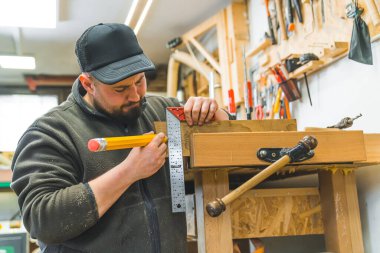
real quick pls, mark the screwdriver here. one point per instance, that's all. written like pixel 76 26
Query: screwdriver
pixel 247 90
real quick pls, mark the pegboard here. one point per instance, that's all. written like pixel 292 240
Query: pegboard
pixel 327 38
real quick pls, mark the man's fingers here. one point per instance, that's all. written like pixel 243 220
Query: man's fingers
pixel 195 112
pixel 162 148
pixel 205 110
pixel 212 110
pixel 187 110
pixel 158 139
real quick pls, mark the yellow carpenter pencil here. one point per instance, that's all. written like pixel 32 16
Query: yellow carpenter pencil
pixel 123 142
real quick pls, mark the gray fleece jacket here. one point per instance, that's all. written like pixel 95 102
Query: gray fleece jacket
pixel 52 166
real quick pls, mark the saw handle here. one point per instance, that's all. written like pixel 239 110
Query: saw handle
pixel 308 143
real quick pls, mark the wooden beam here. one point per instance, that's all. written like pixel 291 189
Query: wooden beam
pixel 206 54
pixel 239 149
pixel 218 232
pixel 372 146
pixel 229 126
pixel 340 212
pixel 172 85
pixel 201 28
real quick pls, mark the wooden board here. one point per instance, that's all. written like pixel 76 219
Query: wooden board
pixel 239 149
pixel 276 212
pixel 218 235
pixel 372 145
pixel 229 126
pixel 340 212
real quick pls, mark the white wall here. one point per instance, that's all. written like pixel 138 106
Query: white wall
pixel 345 88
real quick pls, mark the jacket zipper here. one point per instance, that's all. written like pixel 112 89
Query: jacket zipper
pixel 154 232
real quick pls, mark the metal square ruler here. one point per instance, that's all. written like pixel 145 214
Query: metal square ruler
pixel 174 116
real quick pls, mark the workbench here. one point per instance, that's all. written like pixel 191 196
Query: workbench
pixel 223 148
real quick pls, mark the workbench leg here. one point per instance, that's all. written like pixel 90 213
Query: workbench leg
pixel 340 212
pixel 217 231
pixel 199 212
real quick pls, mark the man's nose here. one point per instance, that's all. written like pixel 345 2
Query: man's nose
pixel 133 95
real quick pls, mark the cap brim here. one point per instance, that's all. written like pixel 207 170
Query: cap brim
pixel 117 71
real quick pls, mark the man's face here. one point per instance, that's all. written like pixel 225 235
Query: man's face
pixel 123 100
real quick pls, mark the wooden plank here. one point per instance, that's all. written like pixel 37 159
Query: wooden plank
pixel 372 146
pixel 239 149
pixel 206 54
pixel 340 212
pixel 218 232
pixel 229 126
pixel 201 28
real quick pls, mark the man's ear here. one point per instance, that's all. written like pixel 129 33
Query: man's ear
pixel 87 84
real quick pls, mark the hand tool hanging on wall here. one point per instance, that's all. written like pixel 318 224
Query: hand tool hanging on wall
pixel 302 151
pixel 345 122
pixel 360 46
pixel 307 88
pixel 289 16
pixel 323 11
pixel 231 103
pixel 288 86
pixel 247 89
pixel 297 6
pixel 259 112
pixel 281 20
pixel 287 108
pixel 313 18
pixel 270 24
pixel 296 62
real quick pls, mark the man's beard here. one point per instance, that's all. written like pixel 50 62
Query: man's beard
pixel 130 116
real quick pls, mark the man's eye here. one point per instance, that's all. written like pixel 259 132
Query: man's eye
pixel 119 90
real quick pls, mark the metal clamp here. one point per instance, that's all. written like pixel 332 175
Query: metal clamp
pixel 296 154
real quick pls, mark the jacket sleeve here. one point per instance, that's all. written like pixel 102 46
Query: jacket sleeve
pixel 55 204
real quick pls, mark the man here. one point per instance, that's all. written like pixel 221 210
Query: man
pixel 73 200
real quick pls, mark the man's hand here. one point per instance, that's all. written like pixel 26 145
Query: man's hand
pixel 143 162
pixel 200 110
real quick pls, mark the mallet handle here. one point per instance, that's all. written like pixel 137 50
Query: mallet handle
pixel 261 176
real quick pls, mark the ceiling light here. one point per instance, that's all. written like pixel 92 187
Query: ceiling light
pixel 142 16
pixel 27 13
pixel 131 12
pixel 17 62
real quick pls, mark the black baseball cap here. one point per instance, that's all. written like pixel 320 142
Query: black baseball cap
pixel 111 53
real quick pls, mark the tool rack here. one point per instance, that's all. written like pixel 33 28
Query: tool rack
pixel 222 148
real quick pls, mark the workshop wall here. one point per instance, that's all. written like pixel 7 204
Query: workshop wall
pixel 343 89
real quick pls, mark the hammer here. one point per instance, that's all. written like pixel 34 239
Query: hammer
pixel 300 151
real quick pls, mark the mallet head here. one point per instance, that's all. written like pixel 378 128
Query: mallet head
pixel 215 208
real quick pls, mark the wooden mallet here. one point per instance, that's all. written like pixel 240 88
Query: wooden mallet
pixel 297 153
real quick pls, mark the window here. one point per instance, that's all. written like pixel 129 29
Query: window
pixel 17 113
